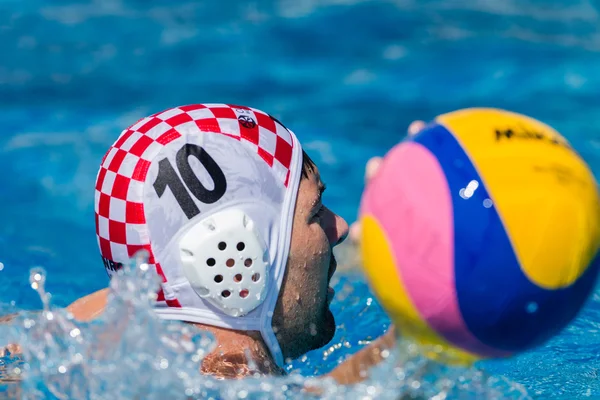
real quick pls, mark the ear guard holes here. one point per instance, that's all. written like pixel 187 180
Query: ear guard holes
pixel 225 261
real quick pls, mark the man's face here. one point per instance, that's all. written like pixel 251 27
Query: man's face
pixel 302 320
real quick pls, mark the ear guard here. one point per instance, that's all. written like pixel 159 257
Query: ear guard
pixel 225 261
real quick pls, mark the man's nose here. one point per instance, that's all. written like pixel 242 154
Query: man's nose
pixel 336 228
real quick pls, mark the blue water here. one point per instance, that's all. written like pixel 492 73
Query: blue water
pixel 347 76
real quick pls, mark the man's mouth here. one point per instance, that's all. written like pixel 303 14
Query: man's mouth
pixel 332 268
pixel 330 295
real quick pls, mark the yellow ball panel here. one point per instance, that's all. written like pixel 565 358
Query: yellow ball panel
pixel 533 175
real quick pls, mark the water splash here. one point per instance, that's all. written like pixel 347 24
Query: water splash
pixel 128 352
pixel 68 359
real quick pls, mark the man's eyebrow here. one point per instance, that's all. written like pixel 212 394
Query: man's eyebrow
pixel 322 187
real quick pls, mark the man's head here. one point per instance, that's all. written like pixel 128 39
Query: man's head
pixel 302 319
pixel 229 208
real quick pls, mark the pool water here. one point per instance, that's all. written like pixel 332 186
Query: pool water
pixel 347 76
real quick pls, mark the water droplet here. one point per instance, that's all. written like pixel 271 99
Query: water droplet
pixel 532 307
pixel 164 363
pixel 37 279
pixel 487 203
pixel 62 369
pixel 75 332
pixel 250 360
pixel 1 266
pixel 469 190
pixel 210 224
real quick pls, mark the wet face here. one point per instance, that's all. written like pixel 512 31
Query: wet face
pixel 302 319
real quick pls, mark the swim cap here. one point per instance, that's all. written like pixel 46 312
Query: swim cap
pixel 208 191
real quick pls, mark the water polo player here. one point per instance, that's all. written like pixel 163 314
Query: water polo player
pixel 229 208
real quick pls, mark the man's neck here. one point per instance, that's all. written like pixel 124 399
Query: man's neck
pixel 238 354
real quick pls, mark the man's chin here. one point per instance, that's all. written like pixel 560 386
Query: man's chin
pixel 329 325
pixel 327 331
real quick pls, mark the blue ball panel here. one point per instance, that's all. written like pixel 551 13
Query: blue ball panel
pixel 499 304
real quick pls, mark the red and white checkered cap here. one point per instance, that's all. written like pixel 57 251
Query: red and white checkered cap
pixel 160 176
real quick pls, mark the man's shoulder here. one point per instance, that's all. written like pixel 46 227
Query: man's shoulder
pixel 89 307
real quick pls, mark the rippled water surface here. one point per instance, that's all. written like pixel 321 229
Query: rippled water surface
pixel 347 76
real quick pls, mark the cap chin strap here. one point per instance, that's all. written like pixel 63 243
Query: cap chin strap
pixel 226 262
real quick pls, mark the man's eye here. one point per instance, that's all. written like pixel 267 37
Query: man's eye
pixel 318 213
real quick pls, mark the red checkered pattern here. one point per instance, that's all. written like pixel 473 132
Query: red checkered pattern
pixel 120 219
